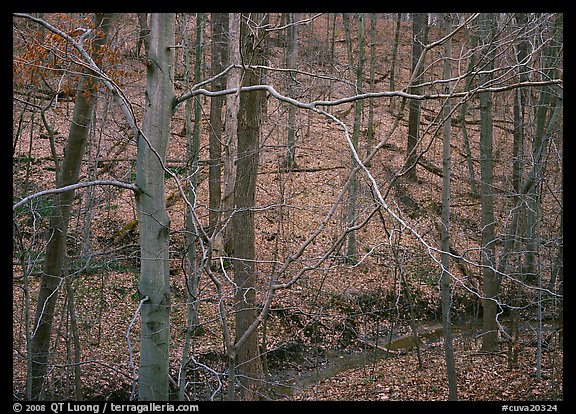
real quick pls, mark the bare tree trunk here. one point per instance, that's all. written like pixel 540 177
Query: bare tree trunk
pixel 545 105
pixel 193 150
pixel 519 109
pixel 558 276
pixel 445 233
pixel 419 35
pixel 371 127
pixel 71 308
pixel 333 37
pixel 52 276
pixel 248 364
pixel 218 45
pixel 393 63
pixel 291 61
pixel 143 32
pixel 153 220
pixel 353 190
pixel 487 197
pixel 230 142
pixel 464 110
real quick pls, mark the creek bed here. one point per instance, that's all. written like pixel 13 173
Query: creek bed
pixel 291 381
pixel 309 367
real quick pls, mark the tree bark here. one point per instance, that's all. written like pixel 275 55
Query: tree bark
pixel 248 364
pixel 153 220
pixel 545 105
pixel 419 35
pixel 445 233
pixel 71 309
pixel 291 61
pixel 193 150
pixel 143 32
pixel 218 45
pixel 519 109
pixel 371 127
pixel 353 190
pixel 487 197
pixel 463 112
pixel 52 276
pixel 230 142
pixel 394 58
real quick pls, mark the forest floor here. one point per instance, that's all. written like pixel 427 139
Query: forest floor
pixel 317 335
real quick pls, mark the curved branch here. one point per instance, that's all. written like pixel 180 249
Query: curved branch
pixel 74 187
pixel 314 104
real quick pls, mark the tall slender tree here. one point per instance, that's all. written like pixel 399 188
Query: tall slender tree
pixel 230 141
pixel 394 59
pixel 154 225
pixel 445 228
pixel 463 113
pixel 552 54
pixel 219 58
pixel 54 263
pixel 291 61
pixel 352 194
pixel 143 32
pixel 519 107
pixel 489 275
pixel 371 125
pixel 419 36
pixel 193 150
pixel 248 363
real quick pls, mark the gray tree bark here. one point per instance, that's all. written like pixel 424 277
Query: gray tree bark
pixel 394 58
pixel 143 32
pixel 371 127
pixel 153 220
pixel 291 61
pixel 193 150
pixel 445 233
pixel 353 190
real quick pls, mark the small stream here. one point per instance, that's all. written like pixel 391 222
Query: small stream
pixel 309 369
pixel 291 381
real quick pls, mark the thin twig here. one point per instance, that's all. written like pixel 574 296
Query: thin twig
pixel 134 377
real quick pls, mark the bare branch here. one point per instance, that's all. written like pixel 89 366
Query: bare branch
pixel 74 187
pixel 314 104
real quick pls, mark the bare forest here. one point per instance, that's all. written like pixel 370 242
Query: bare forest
pixel 287 206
